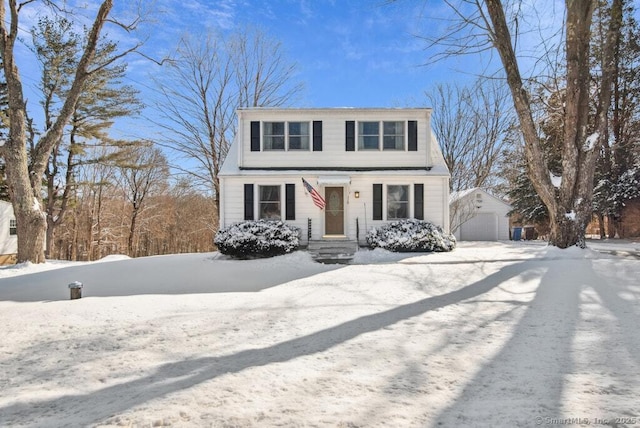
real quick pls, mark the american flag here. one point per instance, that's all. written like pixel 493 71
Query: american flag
pixel 317 198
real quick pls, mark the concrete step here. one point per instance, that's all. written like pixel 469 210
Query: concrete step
pixel 332 250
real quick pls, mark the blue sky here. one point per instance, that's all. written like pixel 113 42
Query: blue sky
pixel 354 53
pixel 349 53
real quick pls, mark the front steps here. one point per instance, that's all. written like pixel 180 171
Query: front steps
pixel 332 250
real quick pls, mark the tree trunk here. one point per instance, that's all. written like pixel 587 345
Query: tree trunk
pixel 23 177
pixel 30 219
pixel 132 231
pixel 603 233
pixel 569 206
pixel 50 236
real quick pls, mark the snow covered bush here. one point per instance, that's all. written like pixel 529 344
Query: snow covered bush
pixel 261 238
pixel 410 235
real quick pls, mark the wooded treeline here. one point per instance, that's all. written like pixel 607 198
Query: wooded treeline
pixel 115 210
pixel 81 194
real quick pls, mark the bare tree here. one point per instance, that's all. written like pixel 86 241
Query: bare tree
pixel 569 205
pixel 144 173
pixel 103 98
pixel 462 208
pixel 471 124
pixel 207 81
pixel 484 25
pixel 24 173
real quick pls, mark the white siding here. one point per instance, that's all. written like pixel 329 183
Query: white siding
pixel 333 151
pixel 480 227
pixel 8 243
pixel 358 211
pixel 482 219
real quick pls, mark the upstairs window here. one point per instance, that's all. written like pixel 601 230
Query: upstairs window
pixel 273 135
pixel 368 135
pixel 393 135
pixel 269 204
pixel 298 135
pixel 13 227
pixel 397 202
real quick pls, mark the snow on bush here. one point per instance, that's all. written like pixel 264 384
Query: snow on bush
pixel 261 238
pixel 410 235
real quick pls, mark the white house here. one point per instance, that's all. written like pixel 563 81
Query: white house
pixel 369 165
pixel 477 215
pixel 8 234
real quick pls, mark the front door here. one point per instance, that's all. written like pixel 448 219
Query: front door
pixel 334 211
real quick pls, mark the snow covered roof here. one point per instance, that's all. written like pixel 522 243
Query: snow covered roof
pixel 460 194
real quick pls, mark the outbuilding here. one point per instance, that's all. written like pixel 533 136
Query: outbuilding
pixel 477 215
pixel 8 234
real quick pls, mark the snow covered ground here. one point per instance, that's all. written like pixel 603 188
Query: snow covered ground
pixel 491 334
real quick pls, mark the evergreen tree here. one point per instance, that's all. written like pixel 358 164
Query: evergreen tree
pixel 619 156
pixel 525 202
pixel 103 98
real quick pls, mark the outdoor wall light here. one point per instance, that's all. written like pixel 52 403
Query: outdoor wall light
pixel 356 194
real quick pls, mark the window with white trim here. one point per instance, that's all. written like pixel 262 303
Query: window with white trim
pixel 273 135
pixel 368 135
pixel 13 227
pixel 393 135
pixel 298 135
pixel 397 202
pixel 269 202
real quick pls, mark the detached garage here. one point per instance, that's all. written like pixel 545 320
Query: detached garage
pixel 477 215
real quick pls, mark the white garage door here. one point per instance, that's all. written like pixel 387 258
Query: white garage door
pixel 481 227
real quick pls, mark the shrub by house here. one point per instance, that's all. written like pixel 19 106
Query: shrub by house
pixel 410 235
pixel 260 238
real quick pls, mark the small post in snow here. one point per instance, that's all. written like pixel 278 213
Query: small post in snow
pixel 76 290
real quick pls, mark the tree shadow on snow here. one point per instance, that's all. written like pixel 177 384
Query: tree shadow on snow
pixel 527 378
pixel 181 375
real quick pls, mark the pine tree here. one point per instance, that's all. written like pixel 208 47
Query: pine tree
pixel 617 165
pixel 103 99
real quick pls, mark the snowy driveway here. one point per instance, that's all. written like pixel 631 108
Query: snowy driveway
pixel 489 335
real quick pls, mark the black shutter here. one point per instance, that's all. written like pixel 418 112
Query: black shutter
pixel 350 136
pixel 377 201
pixel 255 136
pixel 248 201
pixel 413 135
pixel 290 201
pixel 418 201
pixel 317 135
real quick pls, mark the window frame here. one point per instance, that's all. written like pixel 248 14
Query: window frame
pixel 278 202
pixel 406 203
pixel 287 135
pixel 381 135
pixel 269 137
pixel 361 135
pixel 13 227
pixel 307 135
pixel 402 136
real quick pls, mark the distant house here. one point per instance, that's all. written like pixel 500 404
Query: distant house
pixel 8 234
pixel 362 167
pixel 628 225
pixel 477 215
